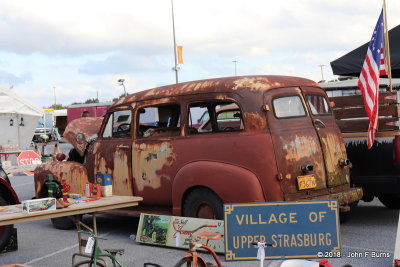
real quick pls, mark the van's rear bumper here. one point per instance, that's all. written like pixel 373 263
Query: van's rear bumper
pixel 345 196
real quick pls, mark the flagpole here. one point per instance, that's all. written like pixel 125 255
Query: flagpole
pixel 387 47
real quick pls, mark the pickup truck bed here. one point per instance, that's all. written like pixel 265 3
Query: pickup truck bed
pixel 376 170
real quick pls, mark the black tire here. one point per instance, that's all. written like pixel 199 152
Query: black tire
pixel 187 262
pixel 6 230
pixel 88 263
pixel 63 223
pixel 390 201
pixel 203 203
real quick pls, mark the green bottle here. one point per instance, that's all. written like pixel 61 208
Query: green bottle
pixel 53 188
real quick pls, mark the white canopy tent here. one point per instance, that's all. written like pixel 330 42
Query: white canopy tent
pixel 18 120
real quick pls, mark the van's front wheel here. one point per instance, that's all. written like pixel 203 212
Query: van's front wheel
pixel 203 203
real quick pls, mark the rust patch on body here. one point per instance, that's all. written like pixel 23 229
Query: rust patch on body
pixel 255 83
pixel 148 162
pixel 255 121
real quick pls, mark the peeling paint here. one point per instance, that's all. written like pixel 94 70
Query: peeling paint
pixel 300 147
pixel 148 162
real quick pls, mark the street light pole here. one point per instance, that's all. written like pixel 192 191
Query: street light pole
pixel 175 68
pixel 121 82
pixel 322 71
pixel 55 99
pixel 235 61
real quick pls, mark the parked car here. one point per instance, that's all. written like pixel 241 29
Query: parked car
pixel 279 149
pixel 43 135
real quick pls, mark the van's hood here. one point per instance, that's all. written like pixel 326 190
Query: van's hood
pixel 81 131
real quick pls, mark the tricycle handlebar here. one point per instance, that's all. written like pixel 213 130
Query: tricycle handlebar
pixel 192 231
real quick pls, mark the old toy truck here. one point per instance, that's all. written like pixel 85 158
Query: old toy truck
pixel 285 145
pixel 376 170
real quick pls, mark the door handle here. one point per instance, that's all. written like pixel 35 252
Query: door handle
pixel 319 123
pixel 123 147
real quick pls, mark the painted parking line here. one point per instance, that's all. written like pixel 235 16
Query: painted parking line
pixel 60 251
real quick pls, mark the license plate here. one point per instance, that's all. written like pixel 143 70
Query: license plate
pixel 306 182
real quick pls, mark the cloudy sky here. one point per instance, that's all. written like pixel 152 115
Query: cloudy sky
pixel 81 48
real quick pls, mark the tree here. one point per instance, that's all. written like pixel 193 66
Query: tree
pixel 118 98
pixel 92 100
pixel 57 106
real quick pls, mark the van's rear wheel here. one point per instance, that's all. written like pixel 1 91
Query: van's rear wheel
pixel 6 230
pixel 390 201
pixel 63 223
pixel 203 203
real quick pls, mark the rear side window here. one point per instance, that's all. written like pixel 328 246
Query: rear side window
pixel 288 106
pixel 215 116
pixel 159 121
pixel 318 105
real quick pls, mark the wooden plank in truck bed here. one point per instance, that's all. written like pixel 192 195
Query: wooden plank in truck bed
pixel 351 117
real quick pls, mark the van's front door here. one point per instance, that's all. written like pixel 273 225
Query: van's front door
pixel 299 157
pixel 330 136
pixel 112 151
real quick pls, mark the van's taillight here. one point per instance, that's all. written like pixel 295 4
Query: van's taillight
pixel 396 148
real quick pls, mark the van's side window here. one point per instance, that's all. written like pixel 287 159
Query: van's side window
pixel 158 121
pixel 218 116
pixel 118 125
pixel 318 105
pixel 288 106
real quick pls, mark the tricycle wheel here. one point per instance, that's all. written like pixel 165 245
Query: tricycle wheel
pixel 390 201
pixel 188 262
pixel 203 203
pixel 6 230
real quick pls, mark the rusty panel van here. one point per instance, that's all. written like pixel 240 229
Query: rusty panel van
pixel 281 144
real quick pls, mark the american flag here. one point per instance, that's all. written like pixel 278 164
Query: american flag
pixel 382 67
pixel 369 79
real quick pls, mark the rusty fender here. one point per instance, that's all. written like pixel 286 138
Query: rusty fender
pixel 227 181
pixel 74 173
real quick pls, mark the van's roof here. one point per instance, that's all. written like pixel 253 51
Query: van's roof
pixel 218 85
